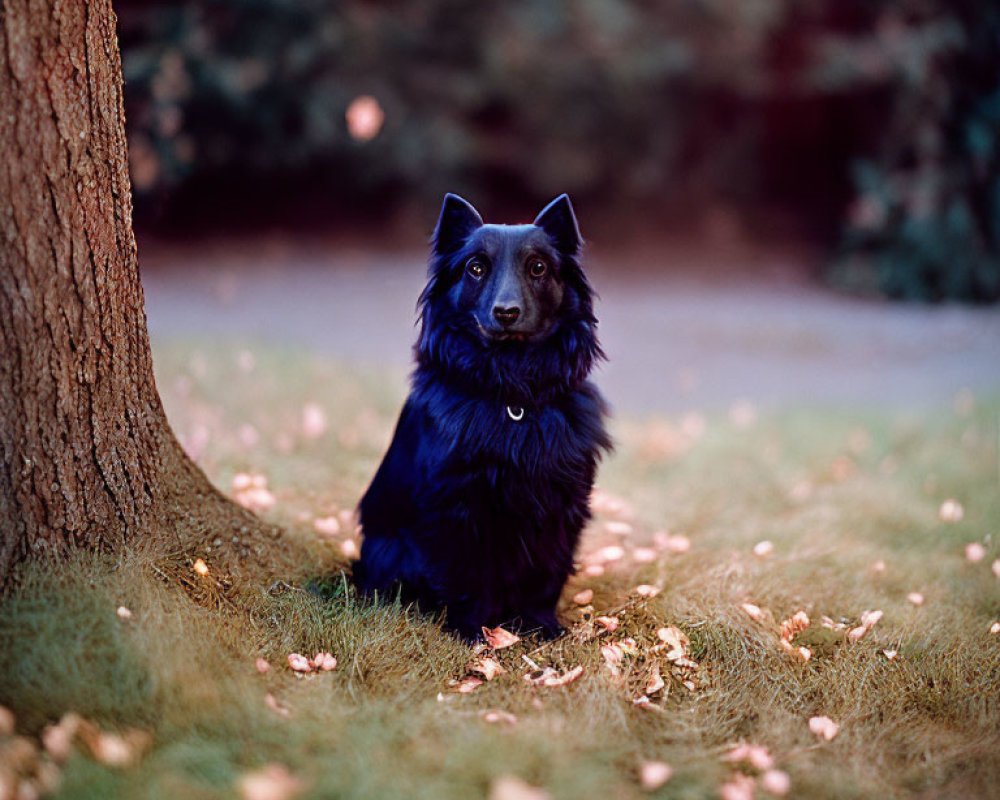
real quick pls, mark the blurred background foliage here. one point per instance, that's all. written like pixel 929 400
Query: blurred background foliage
pixel 870 126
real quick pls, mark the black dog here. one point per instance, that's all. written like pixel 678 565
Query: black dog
pixel 479 502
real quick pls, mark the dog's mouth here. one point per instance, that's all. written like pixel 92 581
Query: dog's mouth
pixel 501 335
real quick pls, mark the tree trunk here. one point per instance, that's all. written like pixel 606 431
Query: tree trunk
pixel 88 459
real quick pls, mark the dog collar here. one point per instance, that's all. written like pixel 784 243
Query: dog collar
pixel 516 413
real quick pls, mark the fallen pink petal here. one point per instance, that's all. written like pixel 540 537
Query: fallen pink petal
pixel 951 511
pixel 654 774
pixel 823 727
pixel 764 548
pixel 739 787
pixel 324 662
pixel 499 638
pixel 299 662
pixel 974 552
pixel 494 716
pixel 584 597
pixel 270 782
pixel 776 782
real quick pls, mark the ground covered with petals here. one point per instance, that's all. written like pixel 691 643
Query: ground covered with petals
pixel 767 604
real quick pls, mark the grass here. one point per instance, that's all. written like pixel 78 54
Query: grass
pixel 833 492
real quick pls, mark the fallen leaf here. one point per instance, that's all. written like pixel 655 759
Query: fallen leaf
pixel 628 645
pixel 350 548
pixel 499 638
pixel 583 597
pixel 125 613
pixel 324 662
pixel 551 678
pixel 200 566
pixel 857 634
pixel 653 774
pixel 795 624
pixel 951 511
pixel 870 617
pixel 313 421
pixel 739 787
pixel 890 654
pixel 58 739
pixel 916 598
pixel 609 624
pixel 685 663
pixel 262 665
pixel 752 611
pixel 805 653
pixel 618 528
pixel 299 662
pixel 995 628
pixel 823 727
pixel 488 667
pixel 676 543
pixel 776 782
pixel 509 787
pixel 242 481
pixel 655 682
pixel 602 502
pixel 764 548
pixel 676 641
pixel 974 552
pixel 270 782
pixel 256 498
pixel 754 754
pixel 468 684
pixel 328 526
pixel 494 716
pixel 114 750
pixel 612 653
pixel 612 552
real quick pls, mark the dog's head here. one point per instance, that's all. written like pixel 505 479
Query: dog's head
pixel 513 294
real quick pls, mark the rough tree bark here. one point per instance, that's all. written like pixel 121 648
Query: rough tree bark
pixel 88 458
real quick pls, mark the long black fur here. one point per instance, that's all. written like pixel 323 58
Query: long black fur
pixel 470 509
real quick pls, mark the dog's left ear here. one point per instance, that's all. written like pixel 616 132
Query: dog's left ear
pixel 558 221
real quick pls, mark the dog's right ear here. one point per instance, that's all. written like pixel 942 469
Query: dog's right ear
pixel 457 222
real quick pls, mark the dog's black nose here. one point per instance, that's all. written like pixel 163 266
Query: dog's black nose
pixel 506 316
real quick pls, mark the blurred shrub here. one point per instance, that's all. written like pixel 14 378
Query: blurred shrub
pixel 237 105
pixel 925 220
pixel 532 97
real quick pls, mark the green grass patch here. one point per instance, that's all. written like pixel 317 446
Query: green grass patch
pixel 834 492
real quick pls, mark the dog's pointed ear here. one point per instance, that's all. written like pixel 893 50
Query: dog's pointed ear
pixel 558 221
pixel 457 221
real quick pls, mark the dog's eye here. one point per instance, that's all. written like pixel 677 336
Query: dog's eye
pixel 537 267
pixel 475 268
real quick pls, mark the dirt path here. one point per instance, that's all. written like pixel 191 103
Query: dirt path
pixel 675 342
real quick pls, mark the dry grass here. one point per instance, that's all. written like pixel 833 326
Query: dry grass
pixel 834 493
